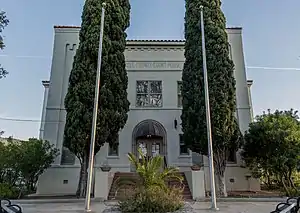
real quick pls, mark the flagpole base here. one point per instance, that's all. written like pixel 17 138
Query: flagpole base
pixel 215 209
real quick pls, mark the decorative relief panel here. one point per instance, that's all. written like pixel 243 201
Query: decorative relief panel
pixel 163 65
pixel 149 93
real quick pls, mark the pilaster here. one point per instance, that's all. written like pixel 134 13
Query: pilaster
pixel 43 118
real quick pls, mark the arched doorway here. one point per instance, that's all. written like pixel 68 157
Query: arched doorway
pixel 150 137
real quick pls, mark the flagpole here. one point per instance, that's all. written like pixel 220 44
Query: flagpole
pixel 95 112
pixel 208 121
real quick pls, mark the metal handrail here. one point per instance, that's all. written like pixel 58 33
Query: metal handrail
pixel 165 162
pixel 8 207
pixel 290 206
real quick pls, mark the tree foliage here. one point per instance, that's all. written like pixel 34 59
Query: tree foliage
pixel 225 130
pixel 113 103
pixel 3 23
pixel 21 164
pixel 272 147
pixel 35 157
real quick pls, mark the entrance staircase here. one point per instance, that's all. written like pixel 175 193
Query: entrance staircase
pixel 118 195
pixel 186 193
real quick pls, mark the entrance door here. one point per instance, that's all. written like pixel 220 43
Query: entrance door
pixel 150 147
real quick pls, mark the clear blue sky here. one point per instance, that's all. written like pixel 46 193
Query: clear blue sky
pixel 271 39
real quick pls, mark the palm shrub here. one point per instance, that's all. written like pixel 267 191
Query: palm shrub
pixel 149 191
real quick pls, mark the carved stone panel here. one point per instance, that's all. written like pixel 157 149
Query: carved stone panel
pixel 157 65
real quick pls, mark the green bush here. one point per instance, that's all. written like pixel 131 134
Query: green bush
pixel 296 179
pixel 293 192
pixel 21 164
pixel 153 199
pixel 8 192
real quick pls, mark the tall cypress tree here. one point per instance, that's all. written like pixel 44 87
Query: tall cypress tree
pixel 113 103
pixel 225 132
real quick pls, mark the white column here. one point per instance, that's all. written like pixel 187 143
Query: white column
pixel 249 84
pixel 46 86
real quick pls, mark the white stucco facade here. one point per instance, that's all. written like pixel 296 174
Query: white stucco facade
pixel 146 60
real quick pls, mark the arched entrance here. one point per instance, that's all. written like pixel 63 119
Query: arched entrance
pixel 150 137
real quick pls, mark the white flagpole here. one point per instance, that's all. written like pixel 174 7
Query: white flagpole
pixel 95 112
pixel 208 122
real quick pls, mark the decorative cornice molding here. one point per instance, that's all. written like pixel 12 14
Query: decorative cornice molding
pixel 46 83
pixel 249 83
pixel 158 48
pixel 66 29
pixel 172 44
pixel 78 27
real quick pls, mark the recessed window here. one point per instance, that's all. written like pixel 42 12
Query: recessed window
pixel 183 148
pixel 113 150
pixel 149 93
pixel 231 156
pixel 231 152
pixel 67 157
pixel 230 51
pixel 179 95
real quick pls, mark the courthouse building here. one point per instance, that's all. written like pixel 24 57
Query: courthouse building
pixel 154 69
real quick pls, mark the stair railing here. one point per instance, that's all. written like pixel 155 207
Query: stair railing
pixel 7 207
pixel 292 205
pixel 165 162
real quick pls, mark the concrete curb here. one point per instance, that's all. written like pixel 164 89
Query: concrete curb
pixel 233 199
pixel 82 200
pixel 47 201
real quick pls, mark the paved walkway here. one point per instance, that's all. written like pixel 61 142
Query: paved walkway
pixel 238 207
pixel 225 207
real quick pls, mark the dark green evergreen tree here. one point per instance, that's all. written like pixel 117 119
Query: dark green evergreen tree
pixel 225 132
pixel 113 103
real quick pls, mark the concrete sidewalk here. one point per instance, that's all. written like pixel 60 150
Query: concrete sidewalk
pixel 201 207
pixel 82 200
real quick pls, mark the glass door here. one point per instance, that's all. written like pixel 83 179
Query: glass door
pixel 150 148
pixel 143 146
pixel 155 148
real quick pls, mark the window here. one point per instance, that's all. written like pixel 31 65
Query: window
pixel 183 148
pixel 149 94
pixel 179 96
pixel 231 156
pixel 67 157
pixel 113 150
pixel 230 51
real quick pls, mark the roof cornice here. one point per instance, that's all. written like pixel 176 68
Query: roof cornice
pixel 145 42
pixel 78 27
pixel 46 83
pixel 72 29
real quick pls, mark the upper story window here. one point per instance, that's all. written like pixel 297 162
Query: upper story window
pixel 179 95
pixel 149 93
